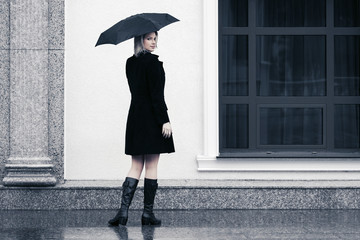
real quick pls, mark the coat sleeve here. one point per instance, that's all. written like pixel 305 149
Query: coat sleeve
pixel 156 84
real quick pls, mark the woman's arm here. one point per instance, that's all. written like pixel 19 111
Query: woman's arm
pixel 156 83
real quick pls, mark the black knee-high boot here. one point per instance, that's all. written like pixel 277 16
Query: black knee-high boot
pixel 128 190
pixel 148 217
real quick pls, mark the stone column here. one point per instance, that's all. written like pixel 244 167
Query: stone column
pixel 4 83
pixel 29 163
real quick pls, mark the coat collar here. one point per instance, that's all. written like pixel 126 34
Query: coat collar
pixel 146 53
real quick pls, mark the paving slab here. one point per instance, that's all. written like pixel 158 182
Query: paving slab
pixel 181 224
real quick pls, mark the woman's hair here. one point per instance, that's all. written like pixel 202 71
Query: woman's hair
pixel 139 44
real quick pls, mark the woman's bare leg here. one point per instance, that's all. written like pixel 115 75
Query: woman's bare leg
pixel 137 166
pixel 151 163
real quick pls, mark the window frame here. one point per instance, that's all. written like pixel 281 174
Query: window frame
pixel 253 101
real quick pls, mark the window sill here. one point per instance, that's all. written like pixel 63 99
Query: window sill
pixel 271 164
pixel 289 154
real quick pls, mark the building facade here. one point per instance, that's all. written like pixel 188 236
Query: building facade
pixel 256 89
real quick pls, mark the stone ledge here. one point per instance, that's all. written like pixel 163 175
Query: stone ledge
pixel 207 184
pixel 189 194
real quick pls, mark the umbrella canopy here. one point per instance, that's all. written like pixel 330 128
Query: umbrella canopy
pixel 135 25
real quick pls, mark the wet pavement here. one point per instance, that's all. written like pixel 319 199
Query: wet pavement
pixel 184 224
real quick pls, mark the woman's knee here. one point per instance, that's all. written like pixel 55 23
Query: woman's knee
pixel 137 162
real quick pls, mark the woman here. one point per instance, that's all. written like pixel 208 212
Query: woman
pixel 148 129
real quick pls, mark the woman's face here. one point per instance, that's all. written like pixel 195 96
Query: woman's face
pixel 150 41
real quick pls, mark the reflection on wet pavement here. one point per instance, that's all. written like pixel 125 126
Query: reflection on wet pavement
pixel 194 224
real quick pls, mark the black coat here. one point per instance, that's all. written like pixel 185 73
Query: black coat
pixel 148 111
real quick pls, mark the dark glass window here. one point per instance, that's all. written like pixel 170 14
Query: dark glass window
pixel 235 126
pixel 235 63
pixel 289 78
pixel 347 13
pixel 234 13
pixel 291 65
pixel 347 64
pixel 347 126
pixel 291 126
pixel 290 13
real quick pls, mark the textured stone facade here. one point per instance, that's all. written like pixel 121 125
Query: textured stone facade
pixel 4 82
pixel 189 194
pixel 31 91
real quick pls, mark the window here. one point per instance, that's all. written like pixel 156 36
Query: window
pixel 289 78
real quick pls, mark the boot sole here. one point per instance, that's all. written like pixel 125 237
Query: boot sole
pixel 121 221
pixel 149 221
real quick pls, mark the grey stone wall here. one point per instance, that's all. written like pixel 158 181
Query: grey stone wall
pixel 32 84
pixel 4 83
pixel 56 85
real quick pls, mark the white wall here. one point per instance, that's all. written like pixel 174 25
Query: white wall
pixel 97 96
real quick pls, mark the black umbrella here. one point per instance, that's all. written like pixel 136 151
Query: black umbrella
pixel 135 25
